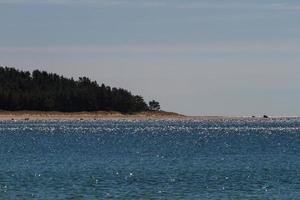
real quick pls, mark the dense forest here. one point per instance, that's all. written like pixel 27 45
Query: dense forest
pixel 43 91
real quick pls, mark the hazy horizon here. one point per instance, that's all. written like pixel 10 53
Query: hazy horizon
pixel 204 57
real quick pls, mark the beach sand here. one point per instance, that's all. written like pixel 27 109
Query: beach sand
pixel 103 115
pixel 100 115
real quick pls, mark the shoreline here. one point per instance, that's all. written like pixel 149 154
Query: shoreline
pixel 110 115
pixel 98 115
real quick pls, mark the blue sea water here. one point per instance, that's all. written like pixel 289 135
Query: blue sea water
pixel 218 159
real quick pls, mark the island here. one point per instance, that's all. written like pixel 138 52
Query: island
pixel 40 95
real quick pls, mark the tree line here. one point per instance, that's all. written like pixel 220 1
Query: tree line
pixel 43 91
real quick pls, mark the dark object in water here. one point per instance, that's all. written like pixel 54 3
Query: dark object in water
pixel 265 116
pixel 26 119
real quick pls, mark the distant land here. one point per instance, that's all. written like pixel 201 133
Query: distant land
pixel 98 115
pixel 114 115
pixel 43 91
pixel 41 95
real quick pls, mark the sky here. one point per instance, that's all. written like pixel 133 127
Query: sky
pixel 196 57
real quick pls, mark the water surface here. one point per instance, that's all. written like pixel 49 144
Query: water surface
pixel 221 159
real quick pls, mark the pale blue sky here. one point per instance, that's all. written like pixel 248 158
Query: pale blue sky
pixel 204 57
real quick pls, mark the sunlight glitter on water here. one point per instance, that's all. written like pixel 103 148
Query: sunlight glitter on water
pixel 217 159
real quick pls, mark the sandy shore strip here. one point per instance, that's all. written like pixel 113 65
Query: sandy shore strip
pixel 103 115
pixel 100 115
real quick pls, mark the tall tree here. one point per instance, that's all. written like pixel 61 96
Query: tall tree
pixel 154 105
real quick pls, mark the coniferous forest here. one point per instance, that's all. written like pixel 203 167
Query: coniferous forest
pixel 43 91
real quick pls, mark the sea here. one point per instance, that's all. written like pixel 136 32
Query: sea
pixel 171 159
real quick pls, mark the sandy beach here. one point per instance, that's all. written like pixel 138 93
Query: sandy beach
pixel 100 115
pixel 103 115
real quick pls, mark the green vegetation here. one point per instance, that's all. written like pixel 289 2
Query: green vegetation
pixel 154 106
pixel 42 91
